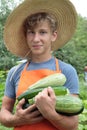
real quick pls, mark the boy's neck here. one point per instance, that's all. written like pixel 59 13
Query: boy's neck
pixel 43 58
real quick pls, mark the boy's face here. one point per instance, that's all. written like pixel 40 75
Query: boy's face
pixel 40 39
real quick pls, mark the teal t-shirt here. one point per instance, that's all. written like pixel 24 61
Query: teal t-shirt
pixel 68 70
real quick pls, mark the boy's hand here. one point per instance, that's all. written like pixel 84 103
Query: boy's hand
pixel 46 101
pixel 29 115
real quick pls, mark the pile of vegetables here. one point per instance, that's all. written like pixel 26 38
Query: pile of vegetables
pixel 65 103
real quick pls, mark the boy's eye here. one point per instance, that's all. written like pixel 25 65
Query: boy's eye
pixel 30 32
pixel 43 32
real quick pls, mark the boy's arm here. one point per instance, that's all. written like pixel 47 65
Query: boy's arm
pixel 20 117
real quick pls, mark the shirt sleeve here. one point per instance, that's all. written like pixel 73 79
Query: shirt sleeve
pixel 9 85
pixel 72 82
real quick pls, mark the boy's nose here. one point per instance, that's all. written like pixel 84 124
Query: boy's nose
pixel 36 37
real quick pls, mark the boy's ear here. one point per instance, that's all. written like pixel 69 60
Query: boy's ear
pixel 54 36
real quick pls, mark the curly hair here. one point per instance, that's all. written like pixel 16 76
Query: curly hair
pixel 33 20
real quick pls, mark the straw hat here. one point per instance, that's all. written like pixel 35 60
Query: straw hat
pixel 63 10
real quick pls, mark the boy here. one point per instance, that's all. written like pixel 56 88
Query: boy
pixel 37 35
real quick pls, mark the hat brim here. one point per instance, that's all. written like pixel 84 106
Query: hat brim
pixel 63 10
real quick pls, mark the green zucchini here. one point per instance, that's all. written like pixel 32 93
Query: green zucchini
pixel 69 105
pixel 66 105
pixel 57 79
pixel 31 93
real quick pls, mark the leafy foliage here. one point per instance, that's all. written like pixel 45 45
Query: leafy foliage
pixel 75 51
pixel 6 58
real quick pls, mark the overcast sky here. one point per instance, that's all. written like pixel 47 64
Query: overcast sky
pixel 81 6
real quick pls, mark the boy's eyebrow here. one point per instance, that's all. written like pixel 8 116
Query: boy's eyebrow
pixel 30 29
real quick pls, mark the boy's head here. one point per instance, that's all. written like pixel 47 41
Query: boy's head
pixel 32 21
pixel 63 10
